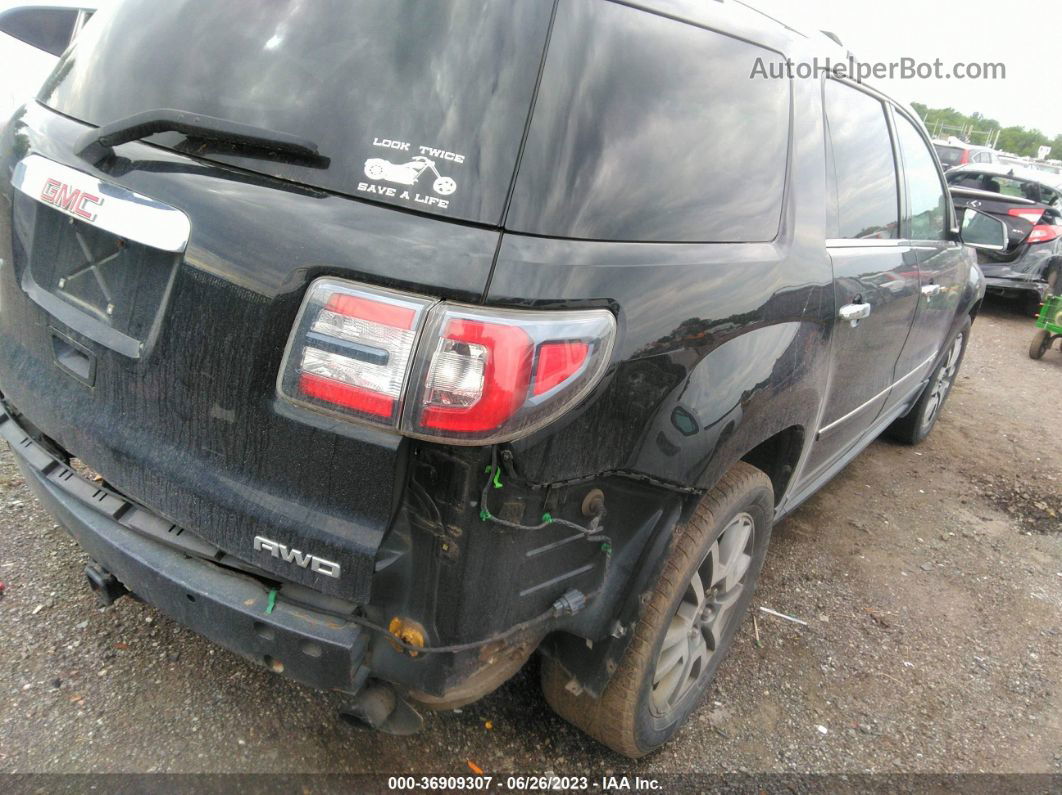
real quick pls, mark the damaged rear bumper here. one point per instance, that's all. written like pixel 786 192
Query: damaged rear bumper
pixel 230 608
pixel 1000 285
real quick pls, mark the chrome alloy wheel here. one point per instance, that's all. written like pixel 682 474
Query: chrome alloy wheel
pixel 696 629
pixel 942 383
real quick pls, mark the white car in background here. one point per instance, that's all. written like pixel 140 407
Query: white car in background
pixel 954 153
pixel 33 34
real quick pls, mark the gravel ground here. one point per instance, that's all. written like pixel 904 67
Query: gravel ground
pixel 930 580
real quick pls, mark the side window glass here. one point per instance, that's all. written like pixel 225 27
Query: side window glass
pixel 927 197
pixel 47 29
pixel 864 167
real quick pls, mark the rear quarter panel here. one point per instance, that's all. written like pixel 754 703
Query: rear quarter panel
pixel 720 345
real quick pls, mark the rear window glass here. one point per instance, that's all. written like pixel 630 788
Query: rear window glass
pixel 47 29
pixel 949 155
pixel 650 129
pixel 418 104
pixel 1008 186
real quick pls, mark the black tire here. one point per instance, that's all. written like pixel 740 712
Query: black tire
pixel 628 717
pixel 1041 341
pixel 916 424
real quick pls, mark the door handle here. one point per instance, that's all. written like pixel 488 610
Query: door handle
pixel 929 290
pixel 853 313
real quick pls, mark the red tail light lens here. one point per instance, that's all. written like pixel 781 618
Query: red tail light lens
pixel 1031 215
pixel 557 362
pixel 1042 233
pixel 453 373
pixel 477 377
pixel 498 374
pixel 350 350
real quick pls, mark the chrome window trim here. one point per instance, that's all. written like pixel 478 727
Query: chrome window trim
pixel 843 242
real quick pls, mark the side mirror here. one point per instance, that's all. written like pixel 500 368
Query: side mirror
pixel 980 230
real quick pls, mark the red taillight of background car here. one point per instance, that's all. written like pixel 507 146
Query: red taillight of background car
pixel 1042 233
pixel 448 372
pixel 1030 214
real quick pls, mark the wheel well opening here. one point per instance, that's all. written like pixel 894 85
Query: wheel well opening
pixel 777 457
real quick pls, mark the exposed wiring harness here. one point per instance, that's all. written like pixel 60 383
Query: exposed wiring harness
pixel 570 603
pixel 494 480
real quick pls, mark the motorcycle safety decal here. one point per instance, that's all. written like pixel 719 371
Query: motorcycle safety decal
pixel 408 171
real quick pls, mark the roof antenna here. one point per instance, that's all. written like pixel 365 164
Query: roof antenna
pixel 830 35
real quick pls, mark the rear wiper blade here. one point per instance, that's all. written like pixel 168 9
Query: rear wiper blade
pixel 96 143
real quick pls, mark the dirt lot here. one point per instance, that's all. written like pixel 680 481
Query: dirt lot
pixel 930 579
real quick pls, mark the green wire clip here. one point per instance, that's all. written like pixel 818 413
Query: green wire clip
pixel 484 515
pixel 272 600
pixel 547 518
pixel 606 548
pixel 496 479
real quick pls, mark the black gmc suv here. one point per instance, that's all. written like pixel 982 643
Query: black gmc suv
pixel 386 342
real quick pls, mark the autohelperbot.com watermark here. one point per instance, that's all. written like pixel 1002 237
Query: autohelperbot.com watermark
pixel 852 69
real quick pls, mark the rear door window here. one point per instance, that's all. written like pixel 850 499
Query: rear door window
pixel 927 201
pixel 864 168
pixel 646 128
pixel 47 29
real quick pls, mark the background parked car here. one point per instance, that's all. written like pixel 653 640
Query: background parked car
pixel 1030 204
pixel 954 153
pixel 32 37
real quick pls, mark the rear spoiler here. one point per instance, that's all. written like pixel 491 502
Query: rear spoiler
pixel 977 193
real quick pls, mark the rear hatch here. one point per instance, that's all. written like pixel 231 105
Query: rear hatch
pixel 154 358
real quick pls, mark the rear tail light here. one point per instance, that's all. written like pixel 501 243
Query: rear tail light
pixel 1042 233
pixel 489 375
pixel 1031 215
pixel 454 373
pixel 350 350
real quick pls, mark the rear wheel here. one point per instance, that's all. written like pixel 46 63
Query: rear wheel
pixel 688 624
pixel 916 425
pixel 1041 341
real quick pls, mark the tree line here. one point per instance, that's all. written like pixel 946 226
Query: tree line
pixel 1014 139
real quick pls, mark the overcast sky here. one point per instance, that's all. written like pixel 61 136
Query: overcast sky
pixel 1026 35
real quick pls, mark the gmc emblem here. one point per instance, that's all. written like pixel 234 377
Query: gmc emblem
pixel 302 559
pixel 70 199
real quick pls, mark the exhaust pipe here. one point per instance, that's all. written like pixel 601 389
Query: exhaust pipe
pixel 379 708
pixel 104 584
